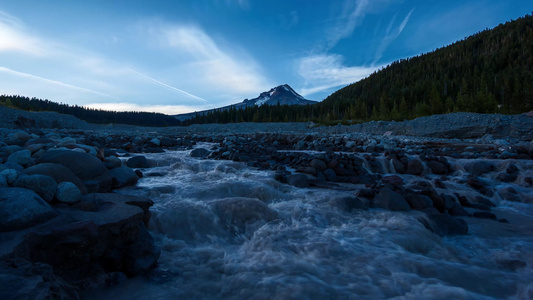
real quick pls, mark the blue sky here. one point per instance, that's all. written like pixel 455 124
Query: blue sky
pixel 182 56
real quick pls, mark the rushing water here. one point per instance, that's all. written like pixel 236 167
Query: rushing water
pixel 227 231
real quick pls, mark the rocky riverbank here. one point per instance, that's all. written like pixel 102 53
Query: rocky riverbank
pixel 64 229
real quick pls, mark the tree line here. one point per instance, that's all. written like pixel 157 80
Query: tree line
pixel 90 115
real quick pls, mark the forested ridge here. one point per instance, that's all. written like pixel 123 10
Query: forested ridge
pixel 488 72
pixel 96 116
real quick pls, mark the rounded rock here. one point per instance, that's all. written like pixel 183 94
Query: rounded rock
pixel 22 157
pixel 67 192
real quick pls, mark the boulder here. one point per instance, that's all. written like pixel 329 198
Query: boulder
pixel 398 166
pixel 298 180
pixel 437 167
pixel 22 157
pixel 318 164
pixel 391 200
pixel 300 145
pixel 58 172
pixel 22 208
pixel 200 152
pixel 11 175
pixel 87 244
pixel 415 167
pixel 123 176
pixel 112 162
pixel 419 202
pixel 85 166
pixel 479 167
pixel 67 192
pixel 330 175
pixel 237 215
pixel 443 224
pixel 44 186
pixel 138 162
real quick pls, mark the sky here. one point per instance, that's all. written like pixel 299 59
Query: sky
pixel 191 55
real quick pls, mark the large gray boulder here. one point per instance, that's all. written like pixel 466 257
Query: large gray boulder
pixel 22 208
pixel 67 192
pixel 391 200
pixel 22 157
pixel 59 172
pixel 238 215
pixel 138 162
pixel 43 185
pixel 123 176
pixel 87 167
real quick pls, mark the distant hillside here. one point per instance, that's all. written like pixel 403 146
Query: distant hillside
pixel 489 72
pixel 89 115
pixel 280 95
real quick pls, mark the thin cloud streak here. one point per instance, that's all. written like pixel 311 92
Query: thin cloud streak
pixel 54 82
pixel 390 36
pixel 166 85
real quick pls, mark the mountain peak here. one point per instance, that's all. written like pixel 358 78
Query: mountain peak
pixel 283 94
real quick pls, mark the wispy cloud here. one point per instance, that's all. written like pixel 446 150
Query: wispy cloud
pixel 352 15
pixel 218 67
pixel 166 85
pixel 53 82
pixel 14 37
pixel 390 36
pixel 326 71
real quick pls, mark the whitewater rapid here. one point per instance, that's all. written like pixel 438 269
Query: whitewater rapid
pixel 228 231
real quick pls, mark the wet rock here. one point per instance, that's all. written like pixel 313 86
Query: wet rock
pixel 457 210
pixel 393 179
pixel 138 162
pixel 330 175
pixel 479 167
pixel 112 162
pixel 415 167
pixel 308 170
pixel 43 185
pixel 484 215
pixel 123 176
pixel 318 164
pixel 67 192
pixel 419 202
pixel 301 145
pixel 347 203
pixel 509 194
pixel 22 157
pixel 443 224
pixel 398 166
pixel 238 214
pixel 10 175
pixel 507 177
pixel 85 166
pixel 298 180
pixel 437 167
pixel 58 172
pixel 22 208
pixel 200 152
pixel 391 200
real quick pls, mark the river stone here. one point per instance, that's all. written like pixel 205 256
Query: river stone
pixel 415 167
pixel 138 162
pixel 3 180
pixel 88 168
pixel 22 157
pixel 318 164
pixel 479 167
pixel 443 224
pixel 156 142
pixel 298 180
pixel 200 152
pixel 238 214
pixel 419 201
pixel 11 175
pixel 44 186
pixel 398 166
pixel 437 167
pixel 58 172
pixel 330 175
pixel 112 162
pixel 123 176
pixel 22 208
pixel 67 192
pixel 301 145
pixel 391 200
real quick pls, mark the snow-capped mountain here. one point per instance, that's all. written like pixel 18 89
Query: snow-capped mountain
pixel 282 94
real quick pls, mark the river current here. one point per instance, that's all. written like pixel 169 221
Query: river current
pixel 228 231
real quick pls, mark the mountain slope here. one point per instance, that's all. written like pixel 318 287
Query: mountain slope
pixel 282 95
pixel 489 72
